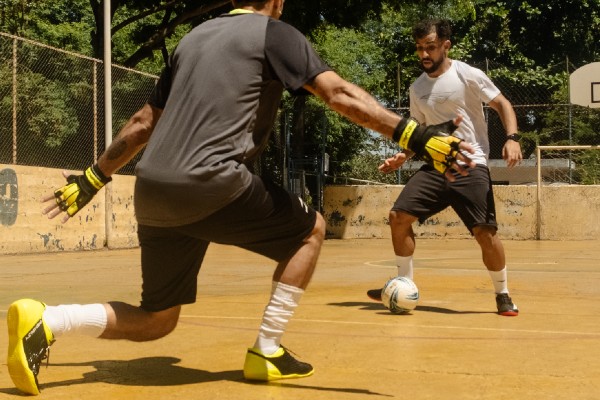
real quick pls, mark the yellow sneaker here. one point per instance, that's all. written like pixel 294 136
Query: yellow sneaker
pixel 29 340
pixel 279 365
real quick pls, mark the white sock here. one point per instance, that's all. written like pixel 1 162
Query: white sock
pixel 405 266
pixel 500 281
pixel 284 300
pixel 88 319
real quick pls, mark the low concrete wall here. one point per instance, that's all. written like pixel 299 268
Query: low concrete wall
pixel 566 213
pixel 24 229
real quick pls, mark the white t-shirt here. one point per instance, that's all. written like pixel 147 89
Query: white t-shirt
pixel 460 90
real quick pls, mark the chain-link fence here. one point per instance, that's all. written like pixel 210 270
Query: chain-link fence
pixel 52 105
pixel 52 115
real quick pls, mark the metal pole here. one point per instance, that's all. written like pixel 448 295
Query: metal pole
pixel 95 106
pixel 538 157
pixel 399 84
pixel 14 102
pixel 321 181
pixel 570 121
pixel 107 114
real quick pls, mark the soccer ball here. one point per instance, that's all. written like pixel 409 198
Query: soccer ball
pixel 400 295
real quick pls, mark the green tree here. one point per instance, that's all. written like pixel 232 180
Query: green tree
pixel 46 115
pixel 366 42
pixel 365 66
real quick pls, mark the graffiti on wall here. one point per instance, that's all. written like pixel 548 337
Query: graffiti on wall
pixel 9 197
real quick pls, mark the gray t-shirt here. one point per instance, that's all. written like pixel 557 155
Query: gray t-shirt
pixel 219 94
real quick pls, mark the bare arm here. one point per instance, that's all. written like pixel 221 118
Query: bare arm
pixel 363 109
pixel 130 140
pixel 353 103
pixel 511 152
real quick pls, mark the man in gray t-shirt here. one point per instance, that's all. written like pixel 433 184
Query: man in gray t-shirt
pixel 208 118
pixel 218 131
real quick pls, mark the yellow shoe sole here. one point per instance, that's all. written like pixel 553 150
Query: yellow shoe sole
pixel 25 328
pixel 259 368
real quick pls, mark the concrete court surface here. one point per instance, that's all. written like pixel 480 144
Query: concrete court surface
pixel 453 346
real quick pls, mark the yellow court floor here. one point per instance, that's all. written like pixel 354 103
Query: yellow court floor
pixel 453 346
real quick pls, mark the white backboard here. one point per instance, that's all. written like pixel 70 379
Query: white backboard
pixel 585 86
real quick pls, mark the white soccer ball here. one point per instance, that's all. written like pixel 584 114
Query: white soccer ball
pixel 400 295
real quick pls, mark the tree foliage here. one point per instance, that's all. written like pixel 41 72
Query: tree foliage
pixel 368 43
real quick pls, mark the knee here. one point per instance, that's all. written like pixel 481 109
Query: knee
pixel 484 235
pixel 398 219
pixel 160 324
pixel 394 217
pixel 164 327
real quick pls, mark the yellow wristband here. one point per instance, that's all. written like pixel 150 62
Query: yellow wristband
pixel 407 133
pixel 93 179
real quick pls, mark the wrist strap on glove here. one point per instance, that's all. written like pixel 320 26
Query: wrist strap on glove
pixel 403 133
pixel 411 135
pixel 96 177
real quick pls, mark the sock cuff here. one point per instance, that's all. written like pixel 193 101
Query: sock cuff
pixel 285 288
pixel 498 274
pixel 402 261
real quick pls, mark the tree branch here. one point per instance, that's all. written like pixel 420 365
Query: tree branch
pixel 143 15
pixel 157 40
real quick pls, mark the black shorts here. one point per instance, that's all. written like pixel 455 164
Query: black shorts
pixel 428 192
pixel 265 219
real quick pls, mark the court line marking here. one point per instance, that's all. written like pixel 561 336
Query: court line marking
pixel 378 263
pixel 465 328
pixel 512 271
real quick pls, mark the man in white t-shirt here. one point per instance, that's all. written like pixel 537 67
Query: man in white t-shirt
pixel 447 88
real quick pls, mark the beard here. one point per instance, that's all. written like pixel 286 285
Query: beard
pixel 434 65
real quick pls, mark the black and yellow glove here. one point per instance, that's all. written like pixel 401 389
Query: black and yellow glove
pixel 433 144
pixel 80 189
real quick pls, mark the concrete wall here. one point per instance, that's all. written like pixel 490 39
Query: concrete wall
pixel 24 229
pixel 567 213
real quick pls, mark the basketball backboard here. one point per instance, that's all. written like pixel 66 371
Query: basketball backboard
pixel 585 86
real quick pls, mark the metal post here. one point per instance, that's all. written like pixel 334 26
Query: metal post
pixel 321 181
pixel 95 107
pixel 570 120
pixel 538 157
pixel 399 84
pixel 107 114
pixel 14 102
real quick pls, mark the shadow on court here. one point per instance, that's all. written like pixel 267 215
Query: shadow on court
pixel 147 371
pixel 372 306
pixel 163 371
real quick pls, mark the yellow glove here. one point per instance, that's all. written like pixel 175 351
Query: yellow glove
pixel 433 144
pixel 80 189
pixel 441 151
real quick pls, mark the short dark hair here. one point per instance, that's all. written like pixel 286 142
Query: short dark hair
pixel 427 26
